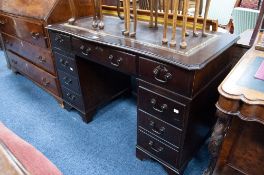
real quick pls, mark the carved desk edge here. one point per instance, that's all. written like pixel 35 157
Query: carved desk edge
pixel 210 53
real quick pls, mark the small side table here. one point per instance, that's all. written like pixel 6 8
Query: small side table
pixel 237 141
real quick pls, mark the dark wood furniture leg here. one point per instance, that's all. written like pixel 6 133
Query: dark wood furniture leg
pixel 220 129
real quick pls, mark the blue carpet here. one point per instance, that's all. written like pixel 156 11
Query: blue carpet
pixel 106 146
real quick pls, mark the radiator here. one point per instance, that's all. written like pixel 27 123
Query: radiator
pixel 244 19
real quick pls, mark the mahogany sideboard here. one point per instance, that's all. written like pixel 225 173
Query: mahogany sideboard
pixel 26 41
pixel 237 141
pixel 176 88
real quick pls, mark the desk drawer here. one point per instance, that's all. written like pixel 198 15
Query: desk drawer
pixel 60 41
pixel 73 99
pixel 113 59
pixel 39 56
pixel 42 78
pixel 158 149
pixel 69 81
pixel 66 64
pixel 162 107
pixel 27 29
pixel 173 78
pixel 159 128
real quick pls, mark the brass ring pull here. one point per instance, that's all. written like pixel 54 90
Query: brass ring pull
pixel 161 109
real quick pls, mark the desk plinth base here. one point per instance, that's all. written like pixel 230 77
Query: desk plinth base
pixel 142 155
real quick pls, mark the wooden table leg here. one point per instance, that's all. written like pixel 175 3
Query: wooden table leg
pixel 127 14
pixel 156 12
pixel 166 13
pixel 101 23
pixel 215 144
pixel 133 34
pixel 174 23
pixel 207 6
pixel 196 14
pixel 183 44
pixel 95 24
pixel 73 11
pixel 151 13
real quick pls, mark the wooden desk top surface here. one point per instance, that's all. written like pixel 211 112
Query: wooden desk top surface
pixel 241 93
pixel 200 50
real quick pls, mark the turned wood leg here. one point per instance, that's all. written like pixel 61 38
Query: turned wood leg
pixel 215 143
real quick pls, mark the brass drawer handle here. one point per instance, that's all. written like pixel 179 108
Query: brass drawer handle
pixel 160 109
pixel 161 74
pixel 155 130
pixel 64 63
pixel 59 39
pixel 67 80
pixel 115 63
pixel 45 82
pixel 3 22
pixel 159 149
pixel 85 52
pixel 71 96
pixel 41 59
pixel 35 35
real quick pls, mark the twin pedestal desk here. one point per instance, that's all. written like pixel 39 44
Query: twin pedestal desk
pixel 176 88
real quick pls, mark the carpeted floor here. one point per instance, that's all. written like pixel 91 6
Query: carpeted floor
pixel 106 146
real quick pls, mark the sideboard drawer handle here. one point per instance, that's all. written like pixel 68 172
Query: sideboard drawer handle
pixel 67 80
pixel 159 149
pixel 71 97
pixel 160 109
pixel 41 59
pixel 35 35
pixel 161 74
pixel 86 51
pixel 155 130
pixel 115 63
pixel 45 82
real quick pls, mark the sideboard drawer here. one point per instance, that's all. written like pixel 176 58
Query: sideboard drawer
pixel 159 128
pixel 117 60
pixel 175 79
pixel 69 81
pixel 60 41
pixel 157 148
pixel 66 64
pixel 162 107
pixel 39 56
pixel 73 99
pixel 28 30
pixel 42 78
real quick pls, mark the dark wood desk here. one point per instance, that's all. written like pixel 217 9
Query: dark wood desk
pixel 241 108
pixel 176 88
